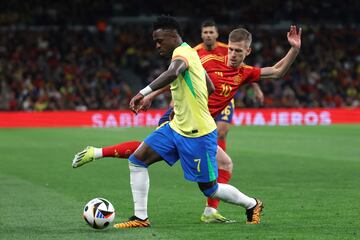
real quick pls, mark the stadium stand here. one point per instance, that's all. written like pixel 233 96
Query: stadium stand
pixel 96 54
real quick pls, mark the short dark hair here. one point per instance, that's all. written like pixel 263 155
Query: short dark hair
pixel 168 23
pixel 240 34
pixel 208 23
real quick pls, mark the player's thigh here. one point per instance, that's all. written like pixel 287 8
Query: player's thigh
pixel 159 144
pixel 146 154
pixel 223 128
pixel 224 119
pixel 198 157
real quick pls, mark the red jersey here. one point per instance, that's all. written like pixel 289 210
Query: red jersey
pixel 227 80
pixel 221 49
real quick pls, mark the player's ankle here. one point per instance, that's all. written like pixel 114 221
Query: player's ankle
pixel 209 210
pixel 98 153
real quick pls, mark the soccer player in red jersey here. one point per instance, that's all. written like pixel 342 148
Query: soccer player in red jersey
pixel 230 72
pixel 207 50
pixel 210 45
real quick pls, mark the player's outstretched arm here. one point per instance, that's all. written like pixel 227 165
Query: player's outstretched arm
pixel 282 66
pixel 175 69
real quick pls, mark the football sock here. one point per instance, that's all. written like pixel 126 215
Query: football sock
pixel 209 210
pixel 139 182
pixel 222 144
pixel 98 152
pixel 232 195
pixel 224 177
pixel 121 150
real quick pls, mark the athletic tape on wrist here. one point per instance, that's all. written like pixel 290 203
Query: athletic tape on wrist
pixel 146 91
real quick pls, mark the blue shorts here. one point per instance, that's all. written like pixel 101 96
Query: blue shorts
pixel 166 117
pixel 227 113
pixel 197 155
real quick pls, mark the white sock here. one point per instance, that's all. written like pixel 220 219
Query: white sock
pixel 139 181
pixel 98 152
pixel 232 195
pixel 209 210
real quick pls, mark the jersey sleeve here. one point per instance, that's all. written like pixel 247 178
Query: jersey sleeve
pixel 180 54
pixel 198 47
pixel 254 75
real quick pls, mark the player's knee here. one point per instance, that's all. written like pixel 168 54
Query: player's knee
pixel 225 164
pixel 135 161
pixel 227 167
pixel 208 189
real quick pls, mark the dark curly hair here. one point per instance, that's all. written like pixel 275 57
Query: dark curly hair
pixel 168 23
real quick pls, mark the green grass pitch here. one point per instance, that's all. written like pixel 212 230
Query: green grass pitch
pixel 307 177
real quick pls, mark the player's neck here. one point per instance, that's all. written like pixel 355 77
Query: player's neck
pixel 179 41
pixel 210 47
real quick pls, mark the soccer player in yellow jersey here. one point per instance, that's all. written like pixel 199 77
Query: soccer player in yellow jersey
pixel 191 136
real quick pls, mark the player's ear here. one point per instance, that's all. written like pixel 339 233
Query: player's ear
pixel 248 51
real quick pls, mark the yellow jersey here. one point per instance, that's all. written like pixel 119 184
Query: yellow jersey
pixel 189 92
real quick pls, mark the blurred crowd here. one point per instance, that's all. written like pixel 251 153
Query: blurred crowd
pixel 255 12
pixel 100 65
